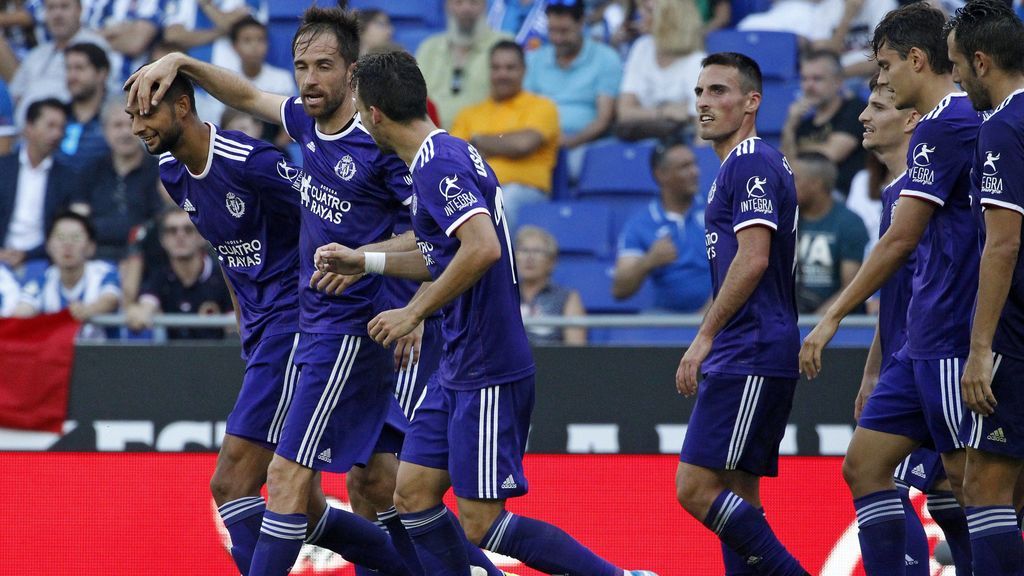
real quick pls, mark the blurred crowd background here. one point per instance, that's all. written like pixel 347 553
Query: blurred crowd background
pixel 584 108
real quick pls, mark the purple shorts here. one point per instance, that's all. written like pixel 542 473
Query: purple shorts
pixel 267 389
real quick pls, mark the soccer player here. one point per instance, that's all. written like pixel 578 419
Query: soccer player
pixel 746 346
pixel 887 134
pixel 986 45
pixel 918 399
pixel 239 192
pixel 470 431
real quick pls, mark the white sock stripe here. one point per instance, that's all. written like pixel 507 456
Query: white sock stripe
pixel 495 541
pixel 992 525
pixel 288 388
pixel 226 515
pixel 935 507
pixel 729 505
pixel 244 501
pixel 424 521
pixel 941 499
pixel 388 514
pixel 744 399
pixel 990 514
pixel 888 512
pixel 318 530
pixel 880 504
pixel 283 534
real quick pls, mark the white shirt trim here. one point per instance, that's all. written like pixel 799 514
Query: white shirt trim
pixel 426 147
pixel 1002 204
pixel 755 222
pixel 348 129
pixel 462 219
pixel 923 196
pixel 209 156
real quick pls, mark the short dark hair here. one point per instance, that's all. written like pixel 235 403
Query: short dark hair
pixel 824 54
pixel 574 8
pixel 822 167
pixel 180 85
pixel 873 81
pixel 510 46
pixel 662 148
pixel 992 27
pixel 393 83
pixel 35 109
pixel 916 25
pixel 342 24
pixel 90 228
pixel 366 15
pixel 750 72
pixel 246 22
pixel 97 56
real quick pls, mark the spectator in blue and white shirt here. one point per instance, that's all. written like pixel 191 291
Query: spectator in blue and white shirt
pixel 10 292
pixel 85 287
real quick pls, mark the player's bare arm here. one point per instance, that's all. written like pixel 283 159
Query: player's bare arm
pixel 745 272
pixel 872 368
pixel 998 260
pixel 892 250
pixel 226 86
pixel 479 249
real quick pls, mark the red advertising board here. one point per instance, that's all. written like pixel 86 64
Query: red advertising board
pixel 148 513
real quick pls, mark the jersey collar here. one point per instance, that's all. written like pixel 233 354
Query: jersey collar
pixel 731 152
pixel 426 150
pixel 209 156
pixel 345 131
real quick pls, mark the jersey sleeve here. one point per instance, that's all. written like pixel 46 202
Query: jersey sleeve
pixel 271 176
pixel 397 178
pixel 451 194
pixel 32 292
pixel 757 187
pixel 934 162
pixel 293 118
pixel 1001 153
pixel 111 283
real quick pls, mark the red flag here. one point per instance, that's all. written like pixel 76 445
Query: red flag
pixel 36 355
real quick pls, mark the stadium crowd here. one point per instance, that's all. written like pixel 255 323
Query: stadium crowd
pixel 543 89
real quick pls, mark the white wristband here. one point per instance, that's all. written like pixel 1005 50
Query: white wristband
pixel 374 262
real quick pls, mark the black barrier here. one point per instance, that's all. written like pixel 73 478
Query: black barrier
pixel 599 399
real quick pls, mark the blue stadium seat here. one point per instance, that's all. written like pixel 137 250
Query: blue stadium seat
pixel 593 279
pixel 709 163
pixel 775 52
pixel 775 102
pixel 282 9
pixel 280 32
pixel 560 177
pixel 410 36
pixel 617 167
pixel 581 228
pixel 623 209
pixel 426 11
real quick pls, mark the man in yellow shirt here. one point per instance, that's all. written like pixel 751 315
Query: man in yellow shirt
pixel 516 131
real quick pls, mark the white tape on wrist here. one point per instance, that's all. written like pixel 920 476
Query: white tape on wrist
pixel 374 262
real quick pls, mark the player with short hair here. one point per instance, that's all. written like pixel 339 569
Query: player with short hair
pixel 240 193
pixel 986 46
pixel 887 134
pixel 746 346
pixel 917 401
pixel 470 431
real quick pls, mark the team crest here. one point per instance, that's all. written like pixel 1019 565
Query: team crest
pixel 345 168
pixel 235 205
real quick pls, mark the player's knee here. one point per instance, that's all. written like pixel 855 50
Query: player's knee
pixel 850 470
pixel 372 486
pixel 475 524
pixel 408 499
pixel 692 494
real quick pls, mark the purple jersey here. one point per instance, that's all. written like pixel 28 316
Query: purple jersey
pixel 1000 152
pixel 350 192
pixel 755 187
pixel 244 205
pixel 946 279
pixel 485 342
pixel 894 296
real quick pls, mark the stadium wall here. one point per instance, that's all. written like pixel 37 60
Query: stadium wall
pixel 605 400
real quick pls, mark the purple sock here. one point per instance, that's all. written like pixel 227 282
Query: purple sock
pixel 741 527
pixel 357 540
pixel 242 518
pixel 883 532
pixel 475 553
pixel 736 565
pixel 917 554
pixel 438 542
pixel 392 524
pixel 544 547
pixel 280 541
pixel 996 546
pixel 948 514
